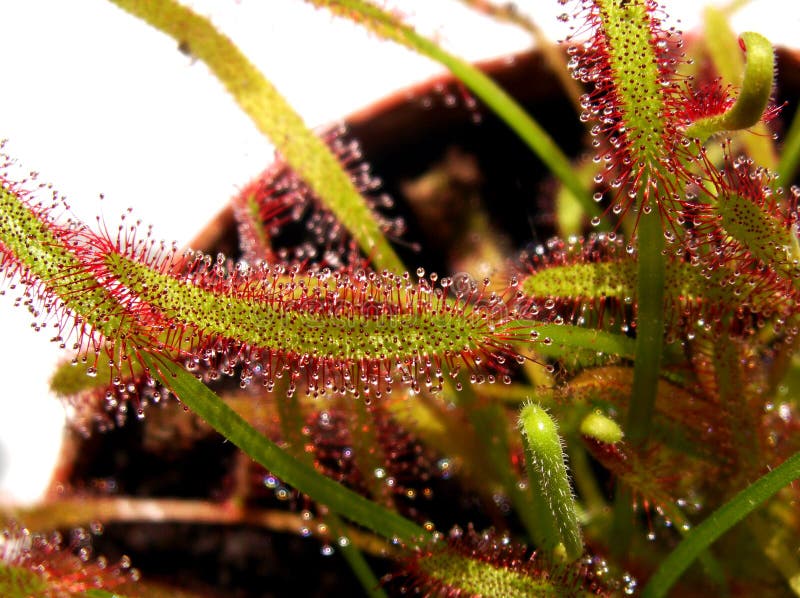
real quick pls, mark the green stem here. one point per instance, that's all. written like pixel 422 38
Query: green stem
pixel 649 327
pixel 490 424
pixel 622 521
pixel 369 453
pixel 389 27
pixel 719 522
pixel 200 399
pixel 731 383
pixel 649 341
pixel 355 558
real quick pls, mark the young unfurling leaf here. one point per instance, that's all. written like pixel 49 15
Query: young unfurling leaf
pixel 547 473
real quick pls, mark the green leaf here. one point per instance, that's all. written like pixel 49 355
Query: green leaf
pixel 759 74
pixel 28 239
pixel 549 483
pixel 20 582
pixel 719 522
pixel 722 45
pixel 463 576
pixel 390 27
pixel 760 232
pixel 197 396
pixel 307 323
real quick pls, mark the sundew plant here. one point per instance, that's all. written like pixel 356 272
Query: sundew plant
pixel 617 402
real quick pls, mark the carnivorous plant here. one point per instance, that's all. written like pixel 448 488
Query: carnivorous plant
pixel 617 401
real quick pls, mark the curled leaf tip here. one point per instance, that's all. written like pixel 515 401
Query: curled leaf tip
pixel 754 95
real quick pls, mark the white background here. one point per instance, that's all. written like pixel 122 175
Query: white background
pixel 97 102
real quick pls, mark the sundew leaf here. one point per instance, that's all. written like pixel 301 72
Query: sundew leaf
pixel 632 71
pixel 760 233
pixel 38 250
pixel 560 339
pixel 306 153
pixel 344 332
pixel 32 564
pixel 350 332
pixel 468 563
pixel 754 94
pixel 631 103
pixel 20 582
pixel 269 208
pixel 746 226
pixel 596 276
pixel 722 45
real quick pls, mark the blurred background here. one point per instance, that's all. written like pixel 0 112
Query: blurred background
pixel 100 104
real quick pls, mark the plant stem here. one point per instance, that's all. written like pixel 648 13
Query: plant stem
pixel 649 327
pixel 354 557
pixel 719 522
pixel 649 341
pixel 503 105
pixel 490 426
pixel 622 521
pixel 200 399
